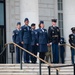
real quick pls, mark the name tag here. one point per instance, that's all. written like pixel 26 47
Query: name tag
pixel 16 33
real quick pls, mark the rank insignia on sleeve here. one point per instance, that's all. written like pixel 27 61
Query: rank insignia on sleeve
pixel 57 29
pixel 72 37
pixel 52 31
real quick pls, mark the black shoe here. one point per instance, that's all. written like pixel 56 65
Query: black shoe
pixel 33 62
pixel 26 62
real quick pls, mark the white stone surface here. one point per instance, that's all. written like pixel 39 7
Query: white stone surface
pixel 69 21
pixel 12 17
pixel 47 11
pixel 29 9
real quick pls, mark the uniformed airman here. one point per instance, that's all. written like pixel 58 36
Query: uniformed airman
pixel 26 39
pixel 42 40
pixel 17 39
pixel 34 47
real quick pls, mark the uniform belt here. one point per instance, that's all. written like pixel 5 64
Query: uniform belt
pixel 55 36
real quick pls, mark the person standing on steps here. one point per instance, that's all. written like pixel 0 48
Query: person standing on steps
pixel 54 39
pixel 34 41
pixel 17 39
pixel 26 39
pixel 42 40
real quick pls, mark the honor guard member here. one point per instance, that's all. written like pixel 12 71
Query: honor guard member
pixel 17 39
pixel 62 49
pixel 26 39
pixel 33 42
pixel 42 40
pixel 54 39
pixel 72 43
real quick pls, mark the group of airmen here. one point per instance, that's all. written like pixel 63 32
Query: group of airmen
pixel 38 40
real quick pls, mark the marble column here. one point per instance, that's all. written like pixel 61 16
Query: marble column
pixel 29 9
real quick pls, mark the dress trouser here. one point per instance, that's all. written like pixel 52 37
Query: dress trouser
pixel 18 53
pixel 26 55
pixel 55 52
pixel 72 55
pixel 34 51
pixel 62 51
pixel 42 55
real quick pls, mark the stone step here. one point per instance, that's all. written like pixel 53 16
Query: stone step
pixel 34 64
pixel 32 69
pixel 28 65
pixel 35 73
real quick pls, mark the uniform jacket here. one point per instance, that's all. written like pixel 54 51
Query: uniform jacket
pixel 72 39
pixel 42 36
pixel 62 41
pixel 54 34
pixel 26 34
pixel 16 36
pixel 34 37
pixel 62 47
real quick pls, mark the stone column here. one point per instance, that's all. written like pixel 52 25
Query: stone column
pixel 29 9
pixel 69 21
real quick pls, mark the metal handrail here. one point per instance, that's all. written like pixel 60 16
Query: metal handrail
pixel 32 54
pixel 57 71
pixel 49 65
pixel 70 46
pixel 2 51
pixel 61 66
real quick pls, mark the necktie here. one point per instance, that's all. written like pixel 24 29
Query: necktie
pixel 43 30
pixel 27 27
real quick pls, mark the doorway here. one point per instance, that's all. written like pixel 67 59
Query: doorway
pixel 2 31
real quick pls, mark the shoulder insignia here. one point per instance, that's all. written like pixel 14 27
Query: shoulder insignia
pixel 72 36
pixel 57 29
pixel 52 31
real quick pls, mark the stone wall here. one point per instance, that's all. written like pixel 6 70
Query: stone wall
pixel 12 17
pixel 47 11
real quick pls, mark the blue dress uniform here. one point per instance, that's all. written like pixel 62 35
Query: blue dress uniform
pixel 26 38
pixel 17 39
pixel 54 38
pixel 62 49
pixel 42 41
pixel 72 43
pixel 34 46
